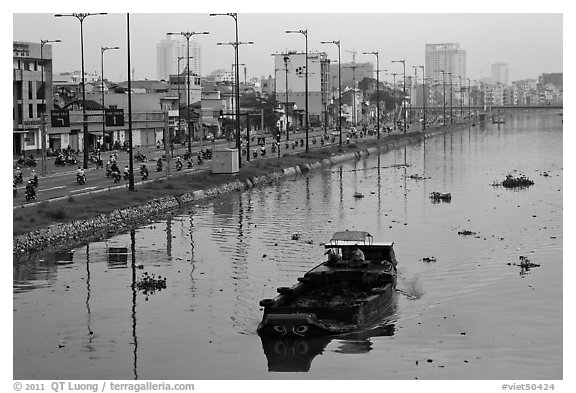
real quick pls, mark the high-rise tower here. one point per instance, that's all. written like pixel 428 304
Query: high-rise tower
pixel 167 53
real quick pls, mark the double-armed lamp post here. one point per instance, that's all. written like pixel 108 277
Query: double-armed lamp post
pixel 236 44
pixel 444 95
pixel 337 43
pixel 43 106
pixel 81 17
pixel 377 90
pixel 102 50
pixel 423 94
pixel 187 35
pixel 305 34
pixel 404 91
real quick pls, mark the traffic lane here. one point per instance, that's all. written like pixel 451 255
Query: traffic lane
pixel 65 184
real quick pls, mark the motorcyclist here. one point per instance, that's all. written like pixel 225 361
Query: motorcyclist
pixel 262 151
pixel 126 172
pixel 34 178
pixel 199 158
pixel 30 191
pixel 178 163
pixel 144 172
pixel 80 174
pixel 18 175
pixel 159 164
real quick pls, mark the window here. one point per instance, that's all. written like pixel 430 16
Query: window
pixel 29 139
pixel 29 90
pixel 30 111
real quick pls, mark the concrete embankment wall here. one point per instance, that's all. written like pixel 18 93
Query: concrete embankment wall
pixel 79 232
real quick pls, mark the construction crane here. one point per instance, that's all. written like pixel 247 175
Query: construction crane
pixel 354 51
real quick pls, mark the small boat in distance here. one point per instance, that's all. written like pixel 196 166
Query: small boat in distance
pixel 352 290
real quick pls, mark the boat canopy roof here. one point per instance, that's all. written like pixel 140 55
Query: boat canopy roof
pixel 346 239
pixel 352 236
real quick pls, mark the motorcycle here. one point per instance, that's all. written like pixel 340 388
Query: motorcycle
pixel 126 175
pixel 34 181
pixel 144 173
pixel 81 179
pixel 18 178
pixel 159 166
pixel 178 165
pixel 30 194
pixel 199 159
pixel 116 176
pixel 190 163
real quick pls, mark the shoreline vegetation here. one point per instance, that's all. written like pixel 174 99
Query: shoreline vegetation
pixel 76 220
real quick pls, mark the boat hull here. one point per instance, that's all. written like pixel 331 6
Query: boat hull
pixel 281 318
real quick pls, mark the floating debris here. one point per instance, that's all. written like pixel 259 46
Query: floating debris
pixel 149 284
pixel 525 263
pixel 295 236
pixel 466 232
pixel 418 177
pixel 358 195
pixel 441 196
pixel 515 182
pixel 429 259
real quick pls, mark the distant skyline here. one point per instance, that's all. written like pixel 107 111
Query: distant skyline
pixel 530 44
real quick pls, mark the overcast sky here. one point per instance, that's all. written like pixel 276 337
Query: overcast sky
pixel 529 43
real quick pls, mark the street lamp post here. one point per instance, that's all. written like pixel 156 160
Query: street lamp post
pixel 404 90
pixel 451 107
pixel 461 97
pixel 102 50
pixel 238 143
pixel 424 97
pixel 337 43
pixel 43 106
pixel 394 97
pixel 236 44
pixel 233 78
pixel 286 60
pixel 377 90
pixel 81 17
pixel 469 100
pixel 130 143
pixel 444 95
pixel 305 34
pixel 179 104
pixel 187 35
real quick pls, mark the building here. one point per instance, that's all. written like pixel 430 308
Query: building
pixel 352 72
pixel 32 93
pixel 553 78
pixel 500 73
pixel 290 84
pixel 167 53
pixel 447 57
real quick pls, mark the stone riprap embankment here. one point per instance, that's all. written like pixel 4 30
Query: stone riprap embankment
pixel 75 233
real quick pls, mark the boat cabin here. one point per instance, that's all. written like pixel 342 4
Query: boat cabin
pixel 341 248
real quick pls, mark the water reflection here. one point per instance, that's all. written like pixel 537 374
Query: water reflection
pixel 295 354
pixel 133 314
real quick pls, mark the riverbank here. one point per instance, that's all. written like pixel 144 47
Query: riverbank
pixel 76 220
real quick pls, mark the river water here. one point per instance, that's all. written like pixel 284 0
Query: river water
pixel 471 314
